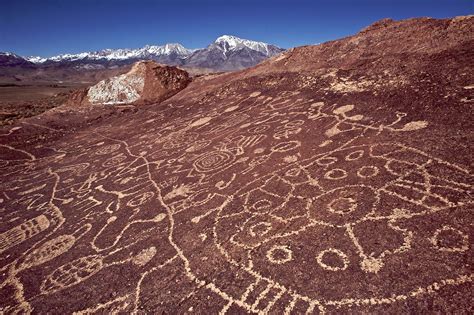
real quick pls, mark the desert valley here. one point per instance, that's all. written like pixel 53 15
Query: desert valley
pixel 242 177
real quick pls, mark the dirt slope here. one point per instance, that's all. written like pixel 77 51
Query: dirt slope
pixel 335 178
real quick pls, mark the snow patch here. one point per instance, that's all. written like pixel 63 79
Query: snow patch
pixel 229 42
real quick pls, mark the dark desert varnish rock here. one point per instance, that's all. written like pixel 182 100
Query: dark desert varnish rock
pixel 331 178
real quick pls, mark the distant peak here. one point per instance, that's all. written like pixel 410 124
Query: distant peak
pixel 230 43
pixel 234 40
pixel 174 45
pixel 227 38
pixel 6 53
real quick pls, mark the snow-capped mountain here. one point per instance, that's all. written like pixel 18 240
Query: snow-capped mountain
pixel 229 42
pixel 231 53
pixel 225 53
pixel 11 60
pixel 172 53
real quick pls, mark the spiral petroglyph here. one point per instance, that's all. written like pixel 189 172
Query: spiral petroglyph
pixel 212 161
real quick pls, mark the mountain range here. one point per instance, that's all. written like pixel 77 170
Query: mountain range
pixel 226 53
pixel 8 59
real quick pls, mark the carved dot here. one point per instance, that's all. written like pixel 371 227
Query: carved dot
pixel 371 264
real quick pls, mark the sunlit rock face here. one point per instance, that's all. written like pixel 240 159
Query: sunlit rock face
pixel 125 88
pixel 146 81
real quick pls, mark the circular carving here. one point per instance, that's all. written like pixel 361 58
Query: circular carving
pixel 367 171
pixel 449 239
pixel 342 205
pixel 327 259
pixel 336 174
pixel 260 229
pixel 213 161
pixel 262 205
pixel 355 155
pixel 279 254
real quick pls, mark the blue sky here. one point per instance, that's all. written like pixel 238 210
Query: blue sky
pixel 50 27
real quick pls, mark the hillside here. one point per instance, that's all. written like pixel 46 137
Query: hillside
pixel 331 178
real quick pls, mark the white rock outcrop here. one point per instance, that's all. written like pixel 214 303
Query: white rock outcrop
pixel 123 89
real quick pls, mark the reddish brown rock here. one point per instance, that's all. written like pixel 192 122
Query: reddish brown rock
pixel 333 178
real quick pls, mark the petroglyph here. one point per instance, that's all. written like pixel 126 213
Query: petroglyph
pixel 49 251
pixel 71 273
pixel 279 255
pixel 23 232
pixel 264 204
pixel 213 161
pixel 338 266
pixel 145 256
pixel 201 121
pixel 415 125
pixel 461 240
